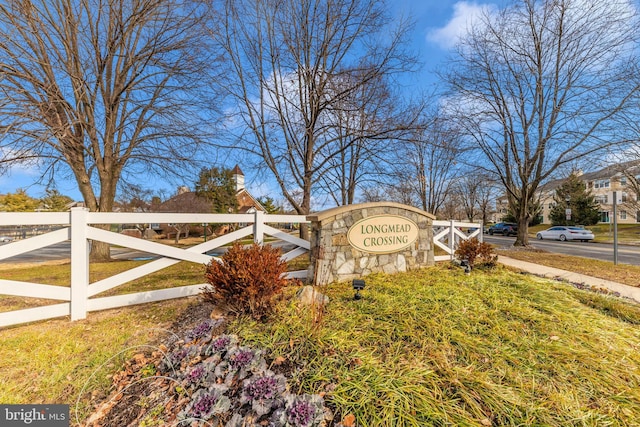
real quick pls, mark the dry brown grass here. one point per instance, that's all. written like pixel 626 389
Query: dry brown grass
pixel 621 273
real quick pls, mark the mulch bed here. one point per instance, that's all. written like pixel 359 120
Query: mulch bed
pixel 132 399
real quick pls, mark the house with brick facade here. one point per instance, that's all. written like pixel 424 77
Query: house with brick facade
pixel 187 201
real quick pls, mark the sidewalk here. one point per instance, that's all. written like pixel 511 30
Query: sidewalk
pixel 553 273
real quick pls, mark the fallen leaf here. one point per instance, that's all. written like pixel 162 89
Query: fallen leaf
pixel 486 422
pixel 349 420
pixel 139 358
pixel 355 362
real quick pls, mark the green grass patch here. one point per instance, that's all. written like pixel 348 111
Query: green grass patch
pixel 436 347
pixel 621 273
pixel 181 274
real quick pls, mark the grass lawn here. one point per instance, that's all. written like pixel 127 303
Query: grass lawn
pixel 430 347
pixel 621 273
pixel 436 347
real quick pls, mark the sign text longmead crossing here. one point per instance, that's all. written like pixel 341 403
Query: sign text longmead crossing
pixel 382 234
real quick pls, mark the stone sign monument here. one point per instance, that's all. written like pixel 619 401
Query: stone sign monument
pixel 352 241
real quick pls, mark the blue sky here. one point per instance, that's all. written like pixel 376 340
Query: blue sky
pixel 437 25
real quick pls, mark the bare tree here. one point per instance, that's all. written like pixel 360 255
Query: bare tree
pixel 539 84
pixel 288 59
pixel 476 189
pixel 452 207
pixel 186 201
pixel 431 161
pixel 487 195
pixel 365 124
pixel 101 89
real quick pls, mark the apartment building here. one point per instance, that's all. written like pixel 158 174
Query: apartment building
pixel 622 179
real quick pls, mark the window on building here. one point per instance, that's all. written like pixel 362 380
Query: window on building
pixel 602 183
pixel 623 214
pixel 623 180
pixel 604 216
pixel 602 199
pixel 623 197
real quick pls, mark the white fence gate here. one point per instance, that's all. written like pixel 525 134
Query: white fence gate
pixel 82 296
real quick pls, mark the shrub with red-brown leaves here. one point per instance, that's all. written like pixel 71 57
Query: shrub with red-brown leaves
pixel 247 280
pixel 476 253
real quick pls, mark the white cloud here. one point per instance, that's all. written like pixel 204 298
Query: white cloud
pixel 465 14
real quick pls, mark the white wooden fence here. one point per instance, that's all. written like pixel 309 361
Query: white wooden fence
pixel 447 235
pixel 82 296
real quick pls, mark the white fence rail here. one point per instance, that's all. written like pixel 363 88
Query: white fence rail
pixel 81 296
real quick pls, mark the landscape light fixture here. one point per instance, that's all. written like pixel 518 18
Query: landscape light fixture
pixel 467 267
pixel 358 285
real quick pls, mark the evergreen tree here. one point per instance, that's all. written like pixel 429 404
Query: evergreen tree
pixel 19 201
pixel 269 205
pixel 535 213
pixel 54 201
pixel 218 187
pixel 573 194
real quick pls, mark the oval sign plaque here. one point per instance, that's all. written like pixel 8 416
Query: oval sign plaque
pixel 382 234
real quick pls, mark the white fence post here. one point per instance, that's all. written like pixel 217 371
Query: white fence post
pixel 452 238
pixel 258 227
pixel 79 263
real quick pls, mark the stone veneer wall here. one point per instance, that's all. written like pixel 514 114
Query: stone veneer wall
pixel 334 259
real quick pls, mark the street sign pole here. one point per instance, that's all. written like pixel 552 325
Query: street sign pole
pixel 615 228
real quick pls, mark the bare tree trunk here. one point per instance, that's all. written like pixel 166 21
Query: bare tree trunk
pixel 100 251
pixel 522 239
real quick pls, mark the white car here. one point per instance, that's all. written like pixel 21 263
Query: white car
pixel 566 233
pixel 5 239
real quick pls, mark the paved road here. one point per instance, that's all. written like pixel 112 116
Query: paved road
pixel 61 251
pixel 603 251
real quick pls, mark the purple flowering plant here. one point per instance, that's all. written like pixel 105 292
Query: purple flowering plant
pixel 207 403
pixel 221 344
pixel 195 375
pixel 230 385
pixel 239 363
pixel 173 359
pixel 202 331
pixel 305 410
pixel 264 392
